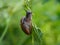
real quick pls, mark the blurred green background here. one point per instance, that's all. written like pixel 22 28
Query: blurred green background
pixel 46 15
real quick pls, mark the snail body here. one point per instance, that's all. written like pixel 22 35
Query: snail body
pixel 26 23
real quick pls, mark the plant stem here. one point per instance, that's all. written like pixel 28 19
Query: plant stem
pixel 4 32
pixel 32 39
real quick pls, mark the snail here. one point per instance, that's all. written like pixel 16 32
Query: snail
pixel 26 23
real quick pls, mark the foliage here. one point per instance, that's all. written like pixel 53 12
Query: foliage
pixel 45 19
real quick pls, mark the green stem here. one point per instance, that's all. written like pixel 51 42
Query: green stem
pixel 4 33
pixel 32 39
